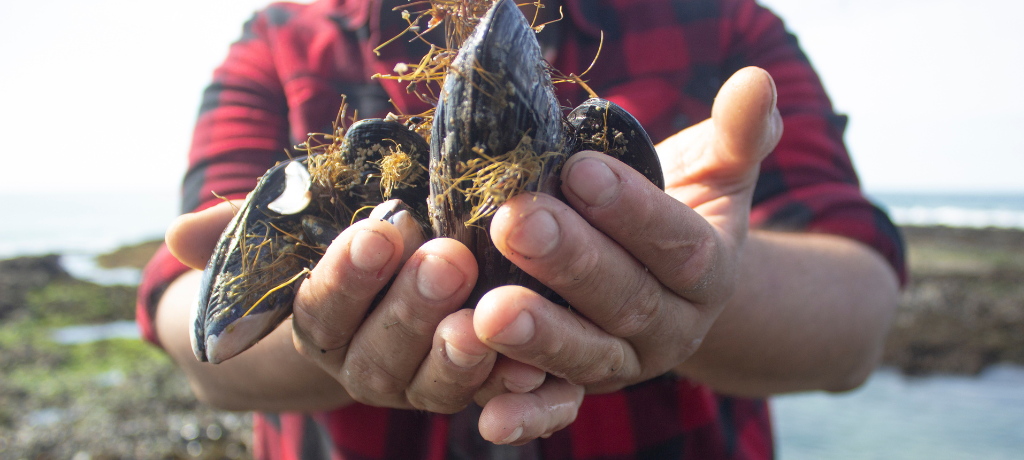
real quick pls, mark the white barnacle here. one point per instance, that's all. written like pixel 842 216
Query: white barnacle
pixel 296 195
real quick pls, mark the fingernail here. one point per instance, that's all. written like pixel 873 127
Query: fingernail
pixel 775 95
pixel 518 332
pixel 536 235
pixel 370 251
pixel 461 358
pixel 524 385
pixel 514 436
pixel 438 279
pixel 593 182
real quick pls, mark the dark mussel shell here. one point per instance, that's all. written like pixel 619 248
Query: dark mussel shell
pixel 496 96
pixel 602 125
pixel 497 93
pixel 285 224
pixel 370 141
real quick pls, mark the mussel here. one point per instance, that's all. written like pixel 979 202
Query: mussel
pixel 497 130
pixel 284 225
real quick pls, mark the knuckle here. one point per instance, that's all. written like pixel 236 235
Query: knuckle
pixel 696 272
pixel 686 349
pixel 445 393
pixel 672 355
pixel 439 402
pixel 369 383
pixel 638 309
pixel 607 367
pixel 414 323
pixel 547 354
pixel 318 335
pixel 581 271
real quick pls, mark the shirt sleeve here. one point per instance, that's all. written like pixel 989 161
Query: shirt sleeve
pixel 808 183
pixel 240 132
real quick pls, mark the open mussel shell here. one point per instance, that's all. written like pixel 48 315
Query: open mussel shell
pixel 297 208
pixel 497 98
pixel 604 126
pixel 252 246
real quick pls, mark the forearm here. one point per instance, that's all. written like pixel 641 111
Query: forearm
pixel 270 376
pixel 811 311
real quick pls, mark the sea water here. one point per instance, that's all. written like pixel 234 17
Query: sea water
pixel 897 417
pixel 82 223
pixel 95 222
pixel 890 417
pixel 954 210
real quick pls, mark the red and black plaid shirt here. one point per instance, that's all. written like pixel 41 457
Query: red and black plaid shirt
pixel 662 60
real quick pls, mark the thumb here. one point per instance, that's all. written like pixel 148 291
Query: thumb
pixel 192 237
pixel 722 154
pixel 747 123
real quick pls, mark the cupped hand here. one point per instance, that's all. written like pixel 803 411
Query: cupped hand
pixel 409 348
pixel 645 272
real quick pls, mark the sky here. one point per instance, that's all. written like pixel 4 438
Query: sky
pixel 101 95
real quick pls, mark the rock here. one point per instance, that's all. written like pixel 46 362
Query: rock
pixel 134 256
pixel 963 307
pixel 20 275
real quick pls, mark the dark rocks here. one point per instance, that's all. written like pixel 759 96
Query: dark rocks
pixel 110 399
pixel 20 275
pixel 963 308
pixel 134 256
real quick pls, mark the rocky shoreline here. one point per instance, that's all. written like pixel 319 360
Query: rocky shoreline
pixel 963 306
pixel 107 399
pixel 962 310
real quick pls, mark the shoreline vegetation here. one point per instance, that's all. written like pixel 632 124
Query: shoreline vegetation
pixel 961 311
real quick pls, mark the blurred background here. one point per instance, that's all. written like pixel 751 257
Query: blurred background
pixel 98 104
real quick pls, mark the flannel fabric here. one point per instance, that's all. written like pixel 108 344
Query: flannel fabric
pixel 662 60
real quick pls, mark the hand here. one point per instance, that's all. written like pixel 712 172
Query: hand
pixel 646 272
pixel 413 350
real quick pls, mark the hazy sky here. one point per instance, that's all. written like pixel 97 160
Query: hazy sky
pixel 101 95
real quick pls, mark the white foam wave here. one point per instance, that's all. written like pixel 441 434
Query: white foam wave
pixel 953 216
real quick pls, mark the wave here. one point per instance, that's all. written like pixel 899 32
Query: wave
pixel 951 216
pixel 954 210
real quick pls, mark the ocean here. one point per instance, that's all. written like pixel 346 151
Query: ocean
pixel 954 210
pixel 95 222
pixel 890 417
pixel 907 418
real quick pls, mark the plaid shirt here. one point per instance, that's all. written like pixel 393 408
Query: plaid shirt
pixel 662 60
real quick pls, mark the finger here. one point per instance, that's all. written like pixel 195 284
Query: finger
pixel 693 252
pixel 332 302
pixel 747 123
pixel 509 376
pixel 389 347
pixel 400 215
pixel 192 237
pixel 724 151
pixel 458 363
pixel 528 328
pixel 679 247
pixel 519 418
pixel 605 283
